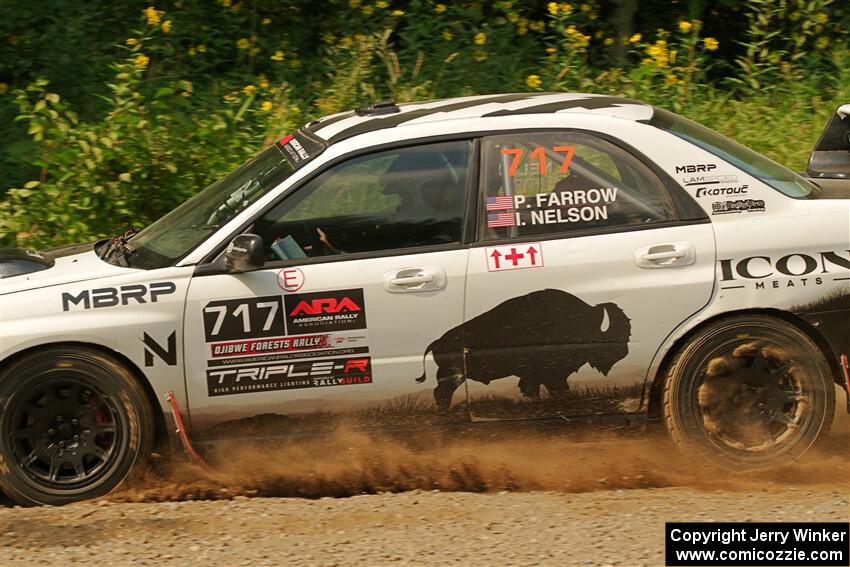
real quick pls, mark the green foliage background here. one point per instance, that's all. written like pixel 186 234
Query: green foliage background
pixel 112 113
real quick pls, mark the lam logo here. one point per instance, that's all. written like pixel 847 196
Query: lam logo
pixel 325 305
pixel 167 355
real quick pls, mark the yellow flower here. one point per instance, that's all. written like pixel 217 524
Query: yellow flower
pixel 553 8
pixel 294 110
pixel 368 10
pixel 243 43
pixel 202 48
pixel 398 13
pixel 479 56
pixel 153 15
pixel 132 41
pixel 513 17
pixel 522 27
pixel 255 50
pixel 670 80
pixel 585 7
pixel 440 8
pixel 192 52
pixel 249 89
pixel 822 42
pixel 4 88
pixel 266 21
pixel 225 3
pixel 711 43
pixel 447 35
pixel 685 26
pixel 635 38
pixel 533 81
pixel 186 94
pixel 381 4
pixel 264 83
pixel 353 4
pixel 566 8
pixel 166 26
pixel 229 98
pixel 480 38
pixel 266 106
pixel 278 56
pixel 608 41
pixel 551 50
pixel 821 18
pixel 141 61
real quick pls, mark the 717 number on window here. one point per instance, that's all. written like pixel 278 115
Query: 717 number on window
pixel 539 153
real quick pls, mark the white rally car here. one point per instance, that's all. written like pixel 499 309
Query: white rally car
pixel 520 256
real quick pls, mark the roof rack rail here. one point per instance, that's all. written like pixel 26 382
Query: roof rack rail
pixel 378 108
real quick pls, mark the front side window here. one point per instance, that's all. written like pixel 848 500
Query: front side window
pixel 398 198
pixel 559 182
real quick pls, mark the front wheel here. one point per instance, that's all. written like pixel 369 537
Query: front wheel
pixel 73 423
pixel 749 392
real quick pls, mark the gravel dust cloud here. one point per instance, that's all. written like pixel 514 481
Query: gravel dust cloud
pixel 351 463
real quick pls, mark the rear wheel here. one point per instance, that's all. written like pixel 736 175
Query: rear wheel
pixel 749 392
pixel 74 422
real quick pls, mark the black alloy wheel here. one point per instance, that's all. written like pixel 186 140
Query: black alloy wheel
pixel 749 392
pixel 74 422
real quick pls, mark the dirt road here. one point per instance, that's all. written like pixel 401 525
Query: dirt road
pixel 593 500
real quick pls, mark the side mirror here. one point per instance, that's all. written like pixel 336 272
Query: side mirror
pixel 244 253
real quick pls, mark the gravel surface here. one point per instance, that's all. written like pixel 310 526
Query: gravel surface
pixel 541 501
pixel 616 527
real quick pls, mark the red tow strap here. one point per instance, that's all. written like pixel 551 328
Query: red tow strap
pixel 181 431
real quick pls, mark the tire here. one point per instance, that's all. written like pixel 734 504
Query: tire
pixel 749 392
pixel 73 423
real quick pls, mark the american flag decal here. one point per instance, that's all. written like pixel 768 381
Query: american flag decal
pixel 497 220
pixel 500 203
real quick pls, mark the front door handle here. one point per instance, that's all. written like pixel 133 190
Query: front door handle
pixel 407 280
pixel 666 255
pixel 412 280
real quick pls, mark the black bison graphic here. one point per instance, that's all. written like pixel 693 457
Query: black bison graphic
pixel 542 338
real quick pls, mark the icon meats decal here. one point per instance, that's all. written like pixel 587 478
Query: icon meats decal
pixel 289 376
pixel 325 311
pixel 568 333
pixel 305 340
pixel 797 269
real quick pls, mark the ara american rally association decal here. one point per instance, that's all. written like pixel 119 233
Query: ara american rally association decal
pixel 302 340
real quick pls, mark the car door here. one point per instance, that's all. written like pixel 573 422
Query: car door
pixel 364 262
pixel 583 266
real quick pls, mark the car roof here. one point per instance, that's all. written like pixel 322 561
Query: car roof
pixel 345 125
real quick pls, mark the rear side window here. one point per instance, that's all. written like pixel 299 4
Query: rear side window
pixel 560 182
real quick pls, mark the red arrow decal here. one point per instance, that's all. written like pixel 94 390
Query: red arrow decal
pixel 533 253
pixel 496 255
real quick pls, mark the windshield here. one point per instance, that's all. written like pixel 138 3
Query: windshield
pixel 760 167
pixel 180 231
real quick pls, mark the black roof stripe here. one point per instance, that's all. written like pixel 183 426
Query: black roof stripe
pixel 589 103
pixel 396 119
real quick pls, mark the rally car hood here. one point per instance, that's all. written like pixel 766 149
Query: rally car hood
pixel 24 270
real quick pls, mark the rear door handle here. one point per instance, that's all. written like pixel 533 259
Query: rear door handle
pixel 666 255
pixel 411 280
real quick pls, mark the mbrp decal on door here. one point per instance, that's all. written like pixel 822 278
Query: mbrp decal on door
pixel 261 344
